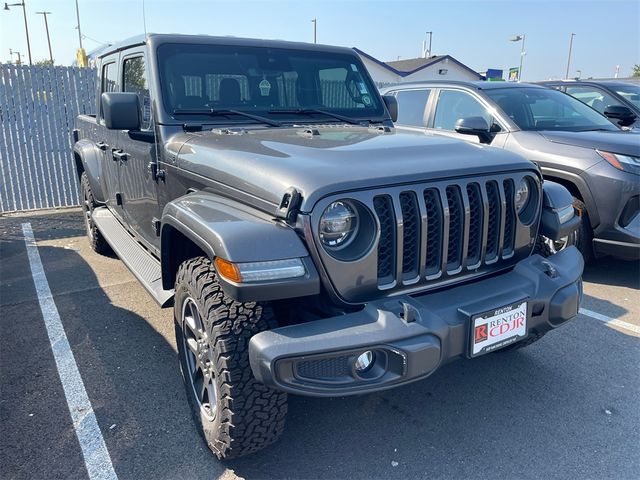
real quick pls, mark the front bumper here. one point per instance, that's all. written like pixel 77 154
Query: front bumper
pixel 411 335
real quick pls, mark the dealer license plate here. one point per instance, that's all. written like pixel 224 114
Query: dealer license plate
pixel 498 328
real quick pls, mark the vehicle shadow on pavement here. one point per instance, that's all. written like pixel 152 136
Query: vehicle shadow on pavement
pixel 493 417
pixel 612 271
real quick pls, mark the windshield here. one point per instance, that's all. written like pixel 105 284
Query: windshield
pixel 279 84
pixel 631 93
pixel 545 109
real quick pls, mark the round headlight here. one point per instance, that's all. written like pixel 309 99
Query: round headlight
pixel 338 224
pixel 522 195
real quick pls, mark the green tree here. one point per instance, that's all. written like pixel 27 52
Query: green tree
pixel 43 62
pixel 636 70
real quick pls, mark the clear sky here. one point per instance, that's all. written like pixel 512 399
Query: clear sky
pixel 475 32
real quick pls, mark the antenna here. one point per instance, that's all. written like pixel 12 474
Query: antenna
pixel 144 20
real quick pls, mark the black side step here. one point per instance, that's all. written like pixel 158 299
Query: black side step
pixel 142 264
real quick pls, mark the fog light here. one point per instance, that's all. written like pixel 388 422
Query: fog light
pixel 364 361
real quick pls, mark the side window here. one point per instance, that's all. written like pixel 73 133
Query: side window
pixel 455 104
pixel 411 105
pixel 109 80
pixel 594 97
pixel 134 79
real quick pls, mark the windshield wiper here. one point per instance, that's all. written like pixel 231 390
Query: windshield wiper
pixel 309 111
pixel 213 112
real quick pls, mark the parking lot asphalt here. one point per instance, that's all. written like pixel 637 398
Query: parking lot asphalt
pixel 566 407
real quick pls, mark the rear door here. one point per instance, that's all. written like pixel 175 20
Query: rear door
pixel 106 139
pixel 412 108
pixel 137 183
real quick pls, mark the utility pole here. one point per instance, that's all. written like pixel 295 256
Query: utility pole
pixel 46 26
pixel 26 27
pixel 566 76
pixel 78 17
pixel 430 37
pixel 315 25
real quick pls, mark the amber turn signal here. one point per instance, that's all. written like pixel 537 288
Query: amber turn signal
pixel 228 270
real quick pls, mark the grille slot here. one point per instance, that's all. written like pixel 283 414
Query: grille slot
pixel 476 218
pixel 387 243
pixel 493 230
pixel 510 218
pixel 326 368
pixel 456 225
pixel 434 230
pixel 410 234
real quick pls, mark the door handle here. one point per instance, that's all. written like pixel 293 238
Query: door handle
pixel 120 155
pixel 102 145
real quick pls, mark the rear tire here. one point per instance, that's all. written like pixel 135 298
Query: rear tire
pixel 235 413
pixel 97 241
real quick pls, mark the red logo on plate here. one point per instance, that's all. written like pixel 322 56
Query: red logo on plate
pixel 480 333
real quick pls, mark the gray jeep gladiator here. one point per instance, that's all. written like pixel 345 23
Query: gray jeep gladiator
pixel 306 246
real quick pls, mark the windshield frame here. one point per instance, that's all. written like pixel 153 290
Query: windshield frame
pixel 551 93
pixel 377 114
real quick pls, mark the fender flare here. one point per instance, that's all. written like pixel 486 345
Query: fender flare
pixel 563 177
pixel 91 157
pixel 220 227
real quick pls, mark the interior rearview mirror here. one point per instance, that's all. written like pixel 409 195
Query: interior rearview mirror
pixel 474 126
pixel 622 114
pixel 120 110
pixel 392 105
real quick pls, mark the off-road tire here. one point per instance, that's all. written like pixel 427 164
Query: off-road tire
pixel 582 238
pixel 97 241
pixel 248 415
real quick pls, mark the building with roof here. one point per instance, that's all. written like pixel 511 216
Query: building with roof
pixel 437 67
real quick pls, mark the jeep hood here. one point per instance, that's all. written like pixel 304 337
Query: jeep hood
pixel 257 166
pixel 616 141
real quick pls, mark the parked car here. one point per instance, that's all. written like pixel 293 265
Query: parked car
pixel 617 100
pixel 306 245
pixel 571 143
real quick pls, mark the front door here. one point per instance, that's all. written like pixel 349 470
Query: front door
pixel 108 139
pixel 137 183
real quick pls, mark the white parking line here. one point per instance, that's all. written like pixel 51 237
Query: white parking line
pixel 611 321
pixel 94 450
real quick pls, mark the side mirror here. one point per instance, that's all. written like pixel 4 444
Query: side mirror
pixel 474 126
pixel 622 114
pixel 120 110
pixel 392 105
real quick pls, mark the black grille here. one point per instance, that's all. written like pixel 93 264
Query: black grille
pixel 434 230
pixel 456 217
pixel 493 232
pixel 510 218
pixel 476 214
pixel 325 368
pixel 476 225
pixel 386 246
pixel 411 232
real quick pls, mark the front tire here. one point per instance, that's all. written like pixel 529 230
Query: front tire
pixel 236 414
pixel 581 238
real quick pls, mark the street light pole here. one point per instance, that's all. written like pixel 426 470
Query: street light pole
pixel 11 52
pixel 315 25
pixel 519 38
pixel 46 26
pixel 26 27
pixel 566 75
